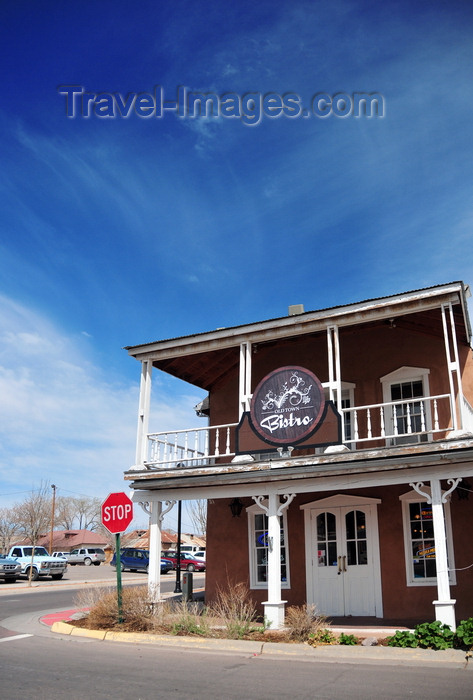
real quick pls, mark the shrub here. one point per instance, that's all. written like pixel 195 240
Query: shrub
pixel 428 635
pixel 187 618
pixel 236 609
pixel 303 621
pixel 322 636
pixel 138 615
pixel 403 638
pixel 434 635
pixel 464 633
pixel 347 639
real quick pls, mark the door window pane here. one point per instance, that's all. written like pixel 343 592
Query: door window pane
pixel 355 524
pixel 326 540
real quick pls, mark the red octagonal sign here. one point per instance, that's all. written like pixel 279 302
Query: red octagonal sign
pixel 117 512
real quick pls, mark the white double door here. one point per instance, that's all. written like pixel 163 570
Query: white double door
pixel 343 556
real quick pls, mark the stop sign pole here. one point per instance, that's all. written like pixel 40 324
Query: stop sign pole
pixel 117 514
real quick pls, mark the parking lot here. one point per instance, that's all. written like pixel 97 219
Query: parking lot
pixel 104 574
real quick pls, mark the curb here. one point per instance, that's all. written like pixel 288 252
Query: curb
pixel 334 654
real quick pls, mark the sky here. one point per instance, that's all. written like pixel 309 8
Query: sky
pixel 119 230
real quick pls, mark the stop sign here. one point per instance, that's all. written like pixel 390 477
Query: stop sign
pixel 117 512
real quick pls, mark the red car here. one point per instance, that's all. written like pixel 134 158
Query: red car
pixel 188 562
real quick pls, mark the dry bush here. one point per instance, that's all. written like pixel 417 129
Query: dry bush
pixel 86 598
pixel 235 608
pixel 138 615
pixel 303 621
pixel 187 618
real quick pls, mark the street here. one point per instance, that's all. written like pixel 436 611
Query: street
pixel 55 669
pixel 34 661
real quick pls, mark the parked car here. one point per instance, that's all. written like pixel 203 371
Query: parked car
pixel 200 555
pixel 86 555
pixel 188 561
pixel 36 562
pixel 138 560
pixel 10 568
pixel 61 555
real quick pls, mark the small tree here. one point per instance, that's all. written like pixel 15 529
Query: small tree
pixel 33 515
pixel 8 529
pixel 83 512
pixel 197 511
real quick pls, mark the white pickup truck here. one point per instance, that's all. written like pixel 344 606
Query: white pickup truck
pixel 39 561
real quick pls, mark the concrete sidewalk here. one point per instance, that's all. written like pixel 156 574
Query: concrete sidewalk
pixel 452 658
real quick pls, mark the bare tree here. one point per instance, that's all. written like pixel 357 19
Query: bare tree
pixel 8 529
pixel 33 515
pixel 65 512
pixel 82 512
pixel 197 512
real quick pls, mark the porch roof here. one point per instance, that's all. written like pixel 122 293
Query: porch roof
pixel 202 358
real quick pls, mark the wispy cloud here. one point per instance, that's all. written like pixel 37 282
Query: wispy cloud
pixel 62 419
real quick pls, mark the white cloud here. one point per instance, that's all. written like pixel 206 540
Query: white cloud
pixel 64 420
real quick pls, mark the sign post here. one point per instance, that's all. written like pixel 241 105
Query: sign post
pixel 117 514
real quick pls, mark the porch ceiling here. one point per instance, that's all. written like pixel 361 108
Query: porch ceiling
pixel 205 369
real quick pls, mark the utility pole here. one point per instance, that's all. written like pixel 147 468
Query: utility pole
pixel 53 486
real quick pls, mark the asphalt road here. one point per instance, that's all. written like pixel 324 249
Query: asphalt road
pixel 34 661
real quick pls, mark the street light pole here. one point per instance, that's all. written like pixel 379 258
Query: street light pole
pixel 178 588
pixel 53 486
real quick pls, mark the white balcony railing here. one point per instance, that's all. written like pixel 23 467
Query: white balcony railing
pixel 398 421
pixel 192 447
pixel 390 423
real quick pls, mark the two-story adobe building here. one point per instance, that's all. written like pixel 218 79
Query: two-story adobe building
pixel 336 455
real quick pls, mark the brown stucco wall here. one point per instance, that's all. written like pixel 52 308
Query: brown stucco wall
pixel 366 355
pixel 227 554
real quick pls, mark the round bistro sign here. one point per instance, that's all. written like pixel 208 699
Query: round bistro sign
pixel 287 406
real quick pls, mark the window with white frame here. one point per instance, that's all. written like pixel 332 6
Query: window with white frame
pixel 407 416
pixel 258 548
pixel 419 543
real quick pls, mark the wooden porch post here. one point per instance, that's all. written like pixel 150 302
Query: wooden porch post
pixel 444 605
pixel 274 607
pixel 154 572
pixel 245 378
pixel 143 414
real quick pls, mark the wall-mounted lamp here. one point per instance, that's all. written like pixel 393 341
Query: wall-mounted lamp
pixel 236 506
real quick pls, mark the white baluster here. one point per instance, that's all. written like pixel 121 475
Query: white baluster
pixel 196 444
pixel 422 416
pixel 381 417
pixel 186 438
pixel 206 446
pixel 227 447
pixel 436 416
pixel 368 422
pixel 409 425
pixel 395 421
pixel 175 446
pixel 217 442
pixel 355 425
pixel 166 449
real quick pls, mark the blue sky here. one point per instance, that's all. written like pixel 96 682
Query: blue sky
pixel 117 231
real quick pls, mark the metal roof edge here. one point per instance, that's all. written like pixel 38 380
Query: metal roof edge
pixel 354 307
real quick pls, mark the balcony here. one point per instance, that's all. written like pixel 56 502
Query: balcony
pixel 372 426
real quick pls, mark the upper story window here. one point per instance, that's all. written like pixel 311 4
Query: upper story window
pixel 407 415
pixel 258 548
